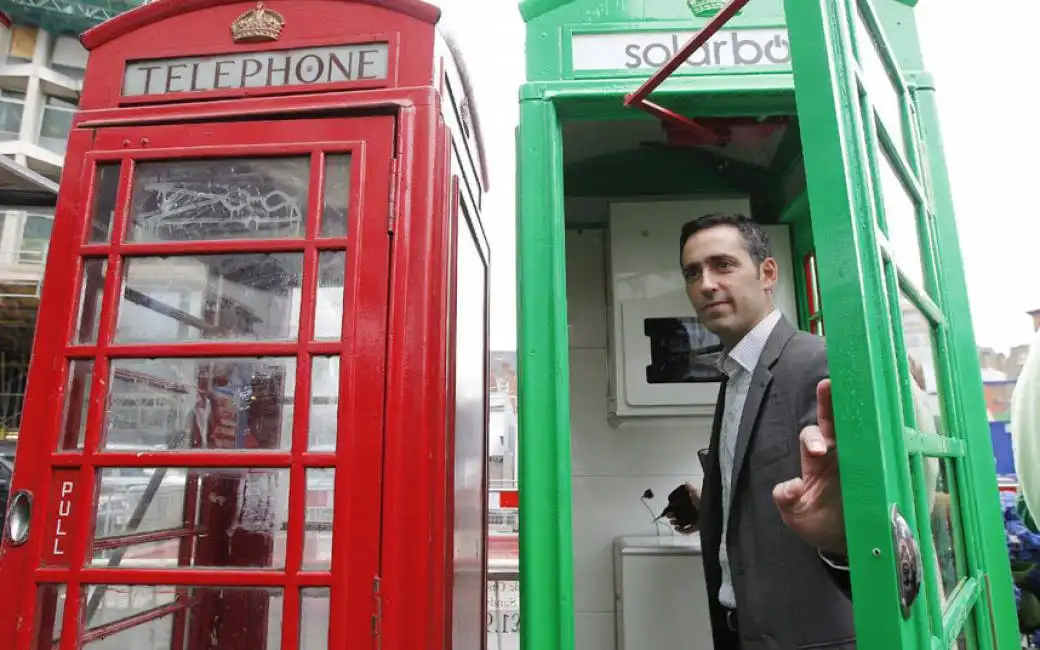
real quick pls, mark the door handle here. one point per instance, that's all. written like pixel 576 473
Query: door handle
pixel 19 515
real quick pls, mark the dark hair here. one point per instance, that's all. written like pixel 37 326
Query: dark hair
pixel 756 242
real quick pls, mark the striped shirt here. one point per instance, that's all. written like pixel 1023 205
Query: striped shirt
pixel 738 365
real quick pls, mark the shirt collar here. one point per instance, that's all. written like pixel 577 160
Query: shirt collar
pixel 746 353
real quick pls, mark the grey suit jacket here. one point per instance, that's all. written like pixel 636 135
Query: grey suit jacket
pixel 787 598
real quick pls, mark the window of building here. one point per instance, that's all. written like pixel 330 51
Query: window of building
pixel 69 57
pixel 22 45
pixel 56 124
pixel 12 105
pixel 36 236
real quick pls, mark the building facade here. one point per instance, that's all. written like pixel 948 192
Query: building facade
pixel 40 80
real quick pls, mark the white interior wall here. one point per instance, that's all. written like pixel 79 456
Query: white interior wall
pixel 611 466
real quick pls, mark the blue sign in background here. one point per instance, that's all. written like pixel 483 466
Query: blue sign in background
pixel 1001 434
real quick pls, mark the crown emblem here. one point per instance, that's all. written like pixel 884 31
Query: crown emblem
pixel 257 25
pixel 704 8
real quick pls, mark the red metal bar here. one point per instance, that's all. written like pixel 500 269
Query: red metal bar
pixel 124 624
pixel 119 541
pixel 294 542
pixel 638 99
pixel 207 577
pixel 223 459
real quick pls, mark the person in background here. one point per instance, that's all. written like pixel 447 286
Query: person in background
pixel 771 519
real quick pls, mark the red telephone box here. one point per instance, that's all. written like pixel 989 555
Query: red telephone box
pixel 256 415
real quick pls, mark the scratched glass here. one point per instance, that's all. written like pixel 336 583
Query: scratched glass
pixel 324 416
pixel 50 603
pixel 314 618
pixel 219 199
pixel 92 290
pixel 189 298
pixel 237 518
pixel 225 404
pixel 328 317
pixel 320 504
pixel 106 189
pixel 337 196
pixel 226 617
pixel 73 430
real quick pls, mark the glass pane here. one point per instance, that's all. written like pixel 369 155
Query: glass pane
pixel 242 198
pixel 337 196
pixel 106 187
pixel 314 619
pixel 77 401
pixel 900 221
pixel 317 542
pixel 181 404
pixel 248 297
pixel 50 608
pixel 917 337
pixel 324 417
pixel 216 518
pixel 147 617
pixel 90 300
pixel 36 237
pixel 883 94
pixel 328 319
pixel 946 539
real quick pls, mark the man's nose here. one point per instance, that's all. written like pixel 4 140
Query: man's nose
pixel 708 283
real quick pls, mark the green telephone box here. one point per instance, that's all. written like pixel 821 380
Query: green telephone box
pixel 819 118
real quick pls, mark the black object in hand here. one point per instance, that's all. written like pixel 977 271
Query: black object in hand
pixel 680 506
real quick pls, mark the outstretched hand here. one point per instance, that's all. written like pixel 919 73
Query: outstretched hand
pixel 811 504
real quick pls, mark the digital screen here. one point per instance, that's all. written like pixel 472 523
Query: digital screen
pixel 681 351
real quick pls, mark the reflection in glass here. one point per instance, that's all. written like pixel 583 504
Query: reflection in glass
pixel 944 535
pixel 186 298
pixel 921 357
pixel 226 617
pixel 314 618
pixel 181 404
pixel 72 434
pixel 900 222
pixel 328 317
pixel 50 608
pixel 106 189
pixel 879 85
pixel 324 416
pixel 337 196
pixel 317 542
pixel 225 517
pixel 242 198
pixel 91 293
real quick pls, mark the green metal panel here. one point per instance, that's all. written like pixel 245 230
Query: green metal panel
pixel 546 564
pixel 835 66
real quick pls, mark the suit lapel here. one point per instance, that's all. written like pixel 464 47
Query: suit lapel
pixel 760 380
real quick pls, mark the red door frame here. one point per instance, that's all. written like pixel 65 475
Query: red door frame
pixel 362 350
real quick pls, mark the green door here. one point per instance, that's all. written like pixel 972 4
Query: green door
pixel 911 422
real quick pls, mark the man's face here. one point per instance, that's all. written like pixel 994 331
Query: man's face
pixel 729 292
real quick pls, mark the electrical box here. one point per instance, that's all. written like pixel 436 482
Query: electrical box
pixel 663 360
pixel 661 600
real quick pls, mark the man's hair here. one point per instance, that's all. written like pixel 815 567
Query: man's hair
pixel 756 242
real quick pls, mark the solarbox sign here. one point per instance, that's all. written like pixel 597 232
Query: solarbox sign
pixel 650 50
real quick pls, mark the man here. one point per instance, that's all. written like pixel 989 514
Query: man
pixel 771 520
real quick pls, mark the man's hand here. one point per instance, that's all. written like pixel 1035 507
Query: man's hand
pixel 695 496
pixel 811 505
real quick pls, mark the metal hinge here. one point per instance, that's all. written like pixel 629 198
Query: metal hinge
pixel 395 171
pixel 377 612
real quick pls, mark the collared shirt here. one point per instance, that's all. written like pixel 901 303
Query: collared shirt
pixel 739 365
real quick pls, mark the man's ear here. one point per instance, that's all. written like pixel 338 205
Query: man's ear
pixel 769 273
